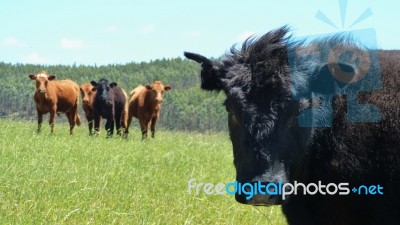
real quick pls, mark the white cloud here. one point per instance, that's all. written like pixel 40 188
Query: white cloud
pixel 246 34
pixel 147 29
pixel 11 41
pixel 193 33
pixel 34 58
pixel 71 43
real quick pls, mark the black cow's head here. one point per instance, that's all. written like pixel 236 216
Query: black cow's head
pixel 268 144
pixel 104 91
pixel 257 100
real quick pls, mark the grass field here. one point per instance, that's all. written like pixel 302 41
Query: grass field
pixel 63 179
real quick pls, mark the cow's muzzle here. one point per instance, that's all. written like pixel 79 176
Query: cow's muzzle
pixel 106 100
pixel 260 196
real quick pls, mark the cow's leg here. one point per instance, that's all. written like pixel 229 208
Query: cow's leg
pixel 77 118
pixel 124 121
pixel 89 118
pixel 73 114
pixel 128 123
pixel 118 122
pixel 153 125
pixel 90 125
pixel 144 125
pixel 96 119
pixel 40 120
pixel 53 112
pixel 70 121
pixel 110 126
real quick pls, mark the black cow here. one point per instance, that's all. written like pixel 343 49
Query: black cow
pixel 269 145
pixel 110 103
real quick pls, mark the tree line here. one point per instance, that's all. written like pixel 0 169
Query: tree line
pixel 186 107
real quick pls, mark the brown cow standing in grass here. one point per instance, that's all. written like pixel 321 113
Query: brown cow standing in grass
pixel 145 104
pixel 87 93
pixel 56 96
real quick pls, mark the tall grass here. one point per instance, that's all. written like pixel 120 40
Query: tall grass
pixel 79 179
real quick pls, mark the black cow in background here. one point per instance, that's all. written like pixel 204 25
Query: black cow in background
pixel 269 145
pixel 110 103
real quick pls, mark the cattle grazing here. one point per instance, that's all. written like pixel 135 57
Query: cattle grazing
pixel 270 143
pixel 110 103
pixel 87 94
pixel 56 96
pixel 145 104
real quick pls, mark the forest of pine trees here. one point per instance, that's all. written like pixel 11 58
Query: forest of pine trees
pixel 186 107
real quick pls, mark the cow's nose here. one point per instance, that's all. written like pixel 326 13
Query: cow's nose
pixel 85 101
pixel 42 90
pixel 265 198
pixel 159 100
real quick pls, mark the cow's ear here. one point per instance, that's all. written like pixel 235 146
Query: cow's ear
pixel 93 83
pixel 51 77
pixel 148 87
pixel 32 76
pixel 113 84
pixel 167 88
pixel 210 78
pixel 198 58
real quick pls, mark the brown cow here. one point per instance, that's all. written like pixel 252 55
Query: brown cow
pixel 87 93
pixel 56 97
pixel 145 104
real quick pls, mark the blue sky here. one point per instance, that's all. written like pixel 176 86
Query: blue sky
pixel 120 31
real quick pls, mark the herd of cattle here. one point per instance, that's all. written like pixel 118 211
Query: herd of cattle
pixel 101 100
pixel 269 145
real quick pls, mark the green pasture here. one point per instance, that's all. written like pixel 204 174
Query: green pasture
pixel 63 179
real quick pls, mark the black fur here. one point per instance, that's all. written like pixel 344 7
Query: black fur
pixel 109 103
pixel 269 145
